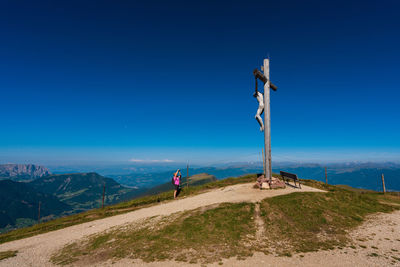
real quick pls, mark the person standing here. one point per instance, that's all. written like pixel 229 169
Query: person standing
pixel 177 180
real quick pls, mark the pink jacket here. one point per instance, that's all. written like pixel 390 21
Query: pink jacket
pixel 176 180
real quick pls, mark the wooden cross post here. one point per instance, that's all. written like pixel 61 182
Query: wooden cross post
pixel 263 157
pixel 267 116
pixel 267 123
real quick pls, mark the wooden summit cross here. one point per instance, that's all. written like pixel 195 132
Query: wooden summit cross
pixel 267 116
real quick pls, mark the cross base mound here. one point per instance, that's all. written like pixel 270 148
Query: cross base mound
pixel 264 183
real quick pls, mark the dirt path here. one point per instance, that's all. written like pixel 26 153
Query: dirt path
pixel 36 250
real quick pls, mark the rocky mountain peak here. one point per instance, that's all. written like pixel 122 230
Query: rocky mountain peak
pixel 22 171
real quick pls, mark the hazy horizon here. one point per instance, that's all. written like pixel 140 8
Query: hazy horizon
pixel 47 158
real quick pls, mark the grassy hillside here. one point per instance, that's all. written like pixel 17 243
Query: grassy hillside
pixel 293 223
pixel 19 205
pixel 199 179
pixel 83 191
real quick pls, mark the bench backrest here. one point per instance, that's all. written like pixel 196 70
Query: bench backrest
pixel 289 175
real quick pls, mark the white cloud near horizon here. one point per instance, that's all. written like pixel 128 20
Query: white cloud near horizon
pixel 151 160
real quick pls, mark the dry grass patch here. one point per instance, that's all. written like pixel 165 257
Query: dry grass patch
pixel 200 236
pixel 8 254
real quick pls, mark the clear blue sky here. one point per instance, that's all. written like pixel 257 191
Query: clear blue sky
pixel 146 80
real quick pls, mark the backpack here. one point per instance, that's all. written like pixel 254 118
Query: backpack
pixel 173 181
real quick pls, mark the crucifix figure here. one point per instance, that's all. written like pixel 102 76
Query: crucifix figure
pixel 260 109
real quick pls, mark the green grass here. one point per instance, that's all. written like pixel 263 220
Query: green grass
pixel 373 254
pixel 7 254
pixel 305 222
pixel 196 236
pixel 112 210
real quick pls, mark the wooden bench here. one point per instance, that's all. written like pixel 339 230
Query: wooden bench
pixel 290 176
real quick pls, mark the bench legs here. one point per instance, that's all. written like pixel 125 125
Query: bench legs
pixel 286 181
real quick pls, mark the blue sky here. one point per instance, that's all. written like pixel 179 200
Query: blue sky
pixel 146 80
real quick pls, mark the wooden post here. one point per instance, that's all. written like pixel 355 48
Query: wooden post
pixel 187 174
pixel 39 212
pixel 104 191
pixel 326 176
pixel 263 160
pixel 383 184
pixel 267 123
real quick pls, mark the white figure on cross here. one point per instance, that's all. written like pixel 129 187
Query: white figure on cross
pixel 260 110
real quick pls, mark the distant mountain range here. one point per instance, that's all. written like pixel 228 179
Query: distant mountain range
pixel 22 172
